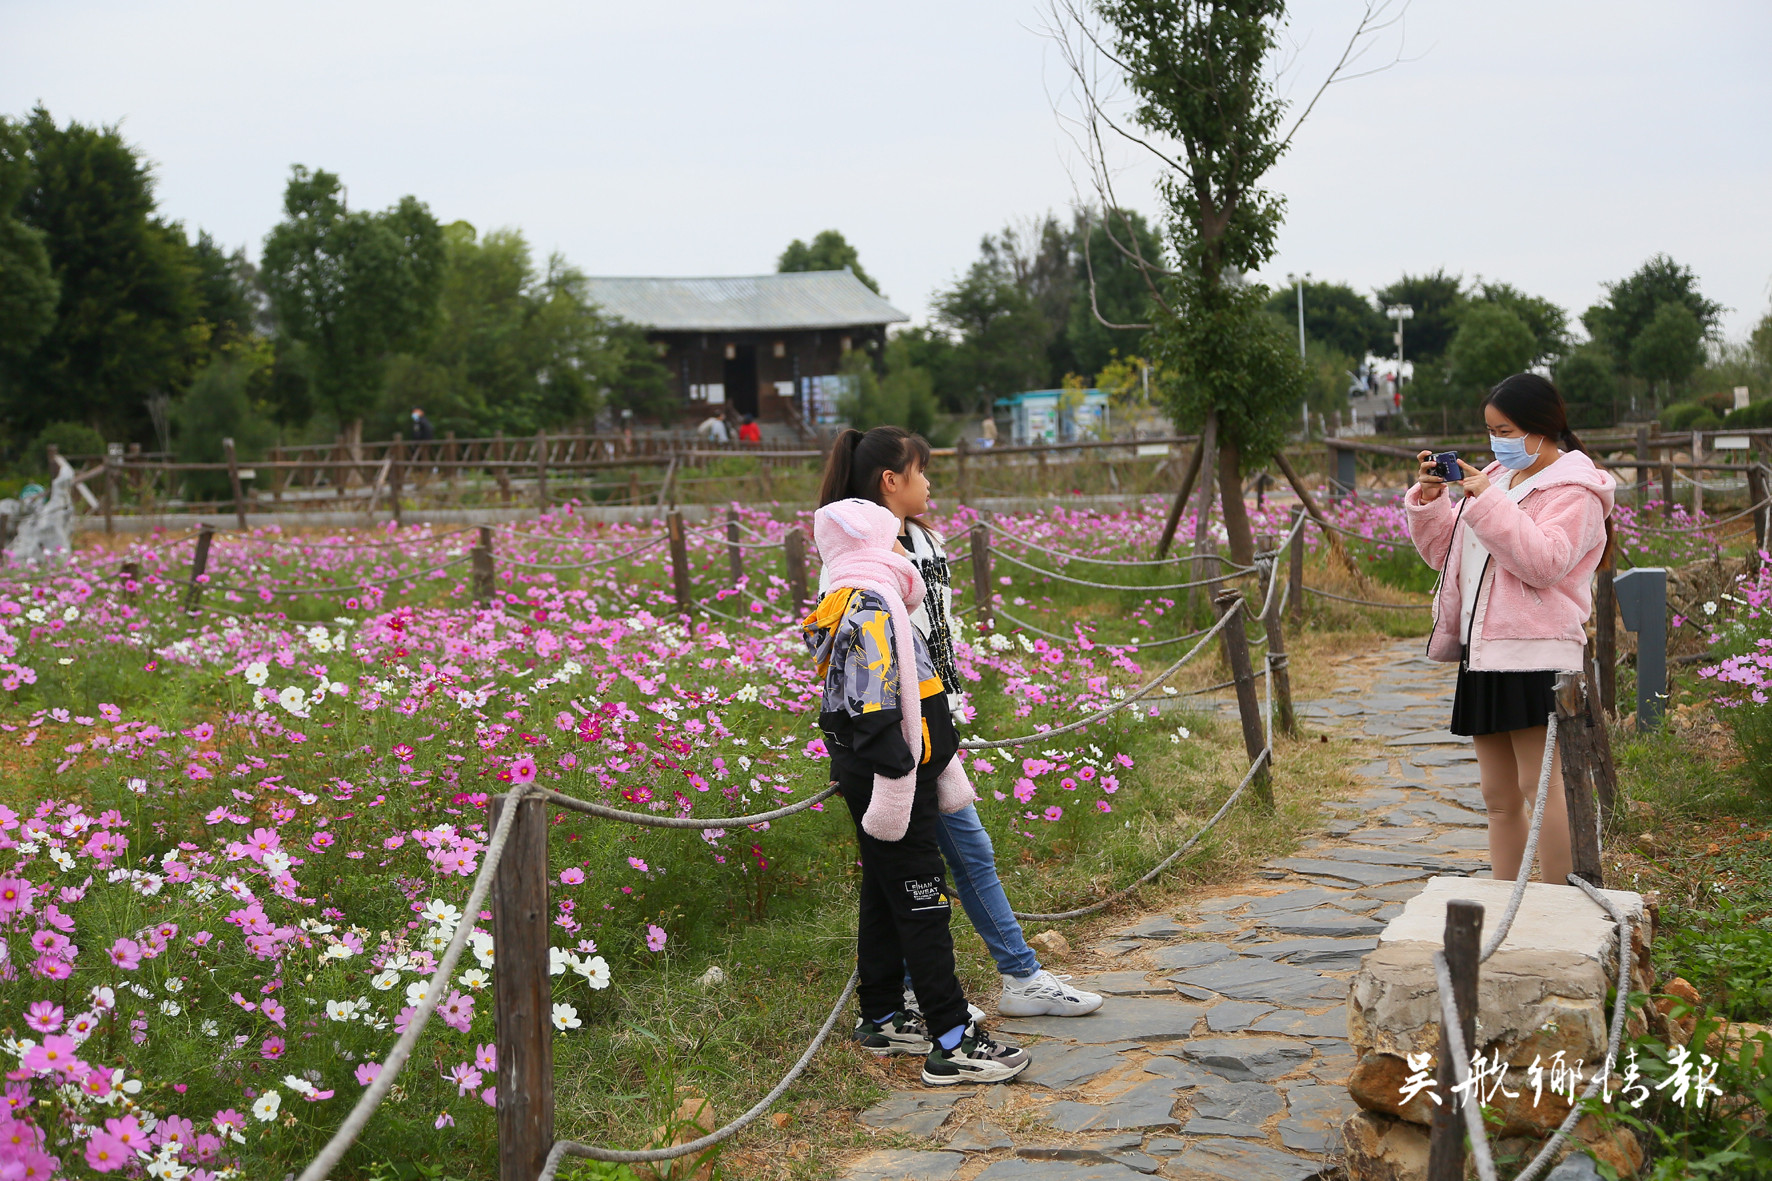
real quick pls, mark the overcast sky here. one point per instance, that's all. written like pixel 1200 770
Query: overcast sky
pixel 1551 143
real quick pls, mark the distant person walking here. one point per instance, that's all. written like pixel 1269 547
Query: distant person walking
pixel 987 431
pixel 1515 558
pixel 421 426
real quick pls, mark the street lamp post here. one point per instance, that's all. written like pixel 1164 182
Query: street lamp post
pixel 1400 312
pixel 1298 282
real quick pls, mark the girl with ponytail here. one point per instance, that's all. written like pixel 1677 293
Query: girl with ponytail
pixel 1516 557
pixel 889 466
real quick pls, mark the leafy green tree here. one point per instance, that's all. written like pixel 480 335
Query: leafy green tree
pixel 1633 302
pixel 1329 372
pixel 126 318
pixel 1548 322
pixel 903 395
pixel 225 401
pixel 1491 343
pixel 1200 75
pixel 28 288
pixel 1588 381
pixel 1669 347
pixel 1000 338
pixel 228 295
pixel 829 251
pixel 1335 315
pixel 353 287
pixel 1438 300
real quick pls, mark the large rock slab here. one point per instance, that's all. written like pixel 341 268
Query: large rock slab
pixel 897 1164
pixel 1354 872
pixel 1239 1160
pixel 1314 1116
pixel 980 1137
pixel 1019 1169
pixel 1058 1066
pixel 916 1113
pixel 1326 921
pixel 1247 1059
pixel 1192 955
pixel 1120 1019
pixel 1232 1109
pixel 1234 1016
pixel 1144 1105
pixel 1251 978
pixel 1320 952
pixel 1297 1024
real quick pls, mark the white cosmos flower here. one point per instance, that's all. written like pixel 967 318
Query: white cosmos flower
pixel 558 961
pixel 566 1017
pixel 482 944
pixel 265 1108
pixel 415 992
pixel 257 673
pixel 340 1010
pixel 595 971
pixel 294 699
pixel 474 979
pixel 441 913
pixel 385 979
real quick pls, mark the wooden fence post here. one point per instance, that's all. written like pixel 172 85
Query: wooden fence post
pixel 980 539
pixel 1584 771
pixel 483 569
pixel 199 564
pixel 1295 576
pixel 1463 941
pixel 113 455
pixel 234 484
pixel 1667 486
pixel 679 561
pixel 1697 483
pixel 397 472
pixel 500 472
pixel 1203 507
pixel 1756 492
pixel 960 450
pixel 734 554
pixel 1181 496
pixel 523 992
pixel 1644 457
pixel 1606 636
pixel 1236 656
pixel 793 548
pixel 1276 642
pixel 130 574
pixel 541 470
pixel 280 476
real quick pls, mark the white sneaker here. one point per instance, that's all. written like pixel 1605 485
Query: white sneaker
pixel 911 1006
pixel 1044 994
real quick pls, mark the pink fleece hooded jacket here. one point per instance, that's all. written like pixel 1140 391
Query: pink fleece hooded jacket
pixel 1534 601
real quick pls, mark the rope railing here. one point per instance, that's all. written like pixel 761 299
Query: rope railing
pixel 334 1150
pixel 1075 557
pixel 1366 602
pixel 574 804
pixel 591 565
pixel 1712 524
pixel 1236 572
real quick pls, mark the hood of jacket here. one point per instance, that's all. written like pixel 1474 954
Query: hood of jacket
pixel 1571 468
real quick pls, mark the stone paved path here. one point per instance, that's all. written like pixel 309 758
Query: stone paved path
pixel 1221 1051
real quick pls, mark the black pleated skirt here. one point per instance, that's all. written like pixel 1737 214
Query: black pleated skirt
pixel 1494 703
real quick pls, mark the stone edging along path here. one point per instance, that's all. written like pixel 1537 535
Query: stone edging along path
pixel 1221 1052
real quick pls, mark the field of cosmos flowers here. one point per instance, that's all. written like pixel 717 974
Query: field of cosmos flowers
pixel 234 841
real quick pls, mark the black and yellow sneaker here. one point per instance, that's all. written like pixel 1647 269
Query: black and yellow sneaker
pixel 900 1033
pixel 977 1059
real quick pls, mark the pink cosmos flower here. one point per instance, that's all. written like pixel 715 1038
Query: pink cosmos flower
pixel 1054 812
pixel 457 1011
pixel 637 864
pixel 109 712
pixel 228 1120
pixel 1025 789
pixel 523 770
pixel 44 1016
pixel 464 1076
pixel 445 1121
pixel 55 1054
pixel 106 1154
pixel 655 938
pixel 572 877
pixel 126 954
pixel 202 732
pixel 272 1048
pixel 486 1056
pixel 489 1096
pixel 367 1072
pixel 127 1131
pixel 1104 806
pixel 16 895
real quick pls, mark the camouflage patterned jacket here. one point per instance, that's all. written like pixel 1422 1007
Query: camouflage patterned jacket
pixel 850 637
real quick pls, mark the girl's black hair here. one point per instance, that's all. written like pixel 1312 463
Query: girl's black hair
pixel 1533 404
pixel 858 461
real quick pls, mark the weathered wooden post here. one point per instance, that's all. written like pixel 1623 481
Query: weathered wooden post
pixel 234 484
pixel 1236 657
pixel 960 450
pixel 980 540
pixel 523 993
pixel 1645 460
pixel 131 575
pixel 1606 636
pixel 1697 483
pixel 199 564
pixel 113 456
pixel 1642 601
pixel 1182 494
pixel 483 568
pixel 679 561
pixel 1756 492
pixel 734 554
pixel 500 472
pixel 1203 509
pixel 793 548
pixel 1582 771
pixel 1667 486
pixel 1276 640
pixel 1295 577
pixel 397 472
pixel 1463 939
pixel 280 474
pixel 541 470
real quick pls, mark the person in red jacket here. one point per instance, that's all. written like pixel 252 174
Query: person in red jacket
pixel 750 432
pixel 1515 558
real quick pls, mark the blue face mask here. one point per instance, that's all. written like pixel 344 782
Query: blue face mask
pixel 1512 453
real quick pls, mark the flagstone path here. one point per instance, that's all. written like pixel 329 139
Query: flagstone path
pixel 1221 1051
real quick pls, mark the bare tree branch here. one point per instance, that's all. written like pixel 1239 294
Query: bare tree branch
pixel 1095 306
pixel 1377 17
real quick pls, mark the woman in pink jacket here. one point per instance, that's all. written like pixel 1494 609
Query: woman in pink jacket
pixel 1516 555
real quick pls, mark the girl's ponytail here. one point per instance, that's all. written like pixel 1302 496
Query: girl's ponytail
pixel 839 467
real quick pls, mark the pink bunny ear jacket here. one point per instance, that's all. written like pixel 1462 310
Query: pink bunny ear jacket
pixel 855 539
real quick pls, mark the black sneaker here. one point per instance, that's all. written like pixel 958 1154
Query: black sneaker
pixel 977 1059
pixel 916 1011
pixel 900 1034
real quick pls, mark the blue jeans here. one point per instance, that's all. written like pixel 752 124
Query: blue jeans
pixel 972 865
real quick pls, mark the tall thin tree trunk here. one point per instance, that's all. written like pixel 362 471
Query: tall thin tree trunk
pixel 354 450
pixel 1230 496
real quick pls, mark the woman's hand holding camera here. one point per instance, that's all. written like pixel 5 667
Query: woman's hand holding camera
pixel 1433 485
